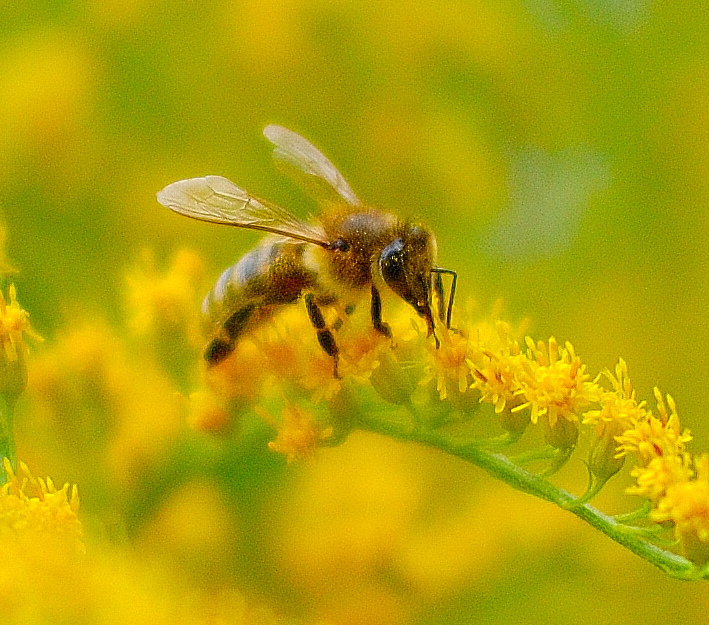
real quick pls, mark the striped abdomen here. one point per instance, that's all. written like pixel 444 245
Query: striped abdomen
pixel 270 275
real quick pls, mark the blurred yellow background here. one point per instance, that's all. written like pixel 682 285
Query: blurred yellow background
pixel 558 148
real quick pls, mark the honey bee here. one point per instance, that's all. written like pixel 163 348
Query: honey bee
pixel 351 249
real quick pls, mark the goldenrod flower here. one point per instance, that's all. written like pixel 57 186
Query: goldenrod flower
pixel 686 504
pixel 299 434
pixel 619 411
pixel 207 413
pixel 33 508
pixel 283 350
pixel 494 366
pixel 448 363
pixel 618 406
pixel 653 437
pixel 159 301
pixel 14 328
pixel 554 384
pixel 653 480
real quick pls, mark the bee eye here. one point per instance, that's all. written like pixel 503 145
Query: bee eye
pixel 392 264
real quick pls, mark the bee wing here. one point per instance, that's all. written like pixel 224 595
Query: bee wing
pixel 220 201
pixel 295 151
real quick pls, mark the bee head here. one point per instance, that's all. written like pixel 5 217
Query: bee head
pixel 406 265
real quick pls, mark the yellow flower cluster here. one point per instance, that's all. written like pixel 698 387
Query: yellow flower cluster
pixel 685 502
pixel 544 384
pixel 619 409
pixel 674 481
pixel 299 434
pixel 34 509
pixel 556 388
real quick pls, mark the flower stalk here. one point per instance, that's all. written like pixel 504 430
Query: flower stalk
pixel 502 468
pixel 7 436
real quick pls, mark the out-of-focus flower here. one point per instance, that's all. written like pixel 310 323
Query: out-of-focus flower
pixel 33 509
pixel 208 413
pixel 104 410
pixel 14 329
pixel 166 302
pixel 299 434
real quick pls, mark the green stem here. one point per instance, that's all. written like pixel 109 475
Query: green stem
pixel 500 467
pixel 7 433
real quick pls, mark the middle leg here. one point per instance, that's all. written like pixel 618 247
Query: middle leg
pixel 325 336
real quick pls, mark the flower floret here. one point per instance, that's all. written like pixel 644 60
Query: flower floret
pixel 653 436
pixel 299 434
pixel 32 506
pixel 554 383
pixel 686 503
pixel 618 406
pixel 653 480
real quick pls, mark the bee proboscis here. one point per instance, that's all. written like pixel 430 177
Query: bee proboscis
pixel 350 249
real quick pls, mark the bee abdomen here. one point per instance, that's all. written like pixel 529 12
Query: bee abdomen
pixel 220 347
pixel 268 276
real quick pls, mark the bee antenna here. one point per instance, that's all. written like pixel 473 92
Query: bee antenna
pixel 439 289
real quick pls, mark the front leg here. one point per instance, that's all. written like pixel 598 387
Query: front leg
pixel 377 322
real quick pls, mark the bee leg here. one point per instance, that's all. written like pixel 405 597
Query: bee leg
pixel 325 336
pixel 377 322
pixel 440 296
pixel 219 348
